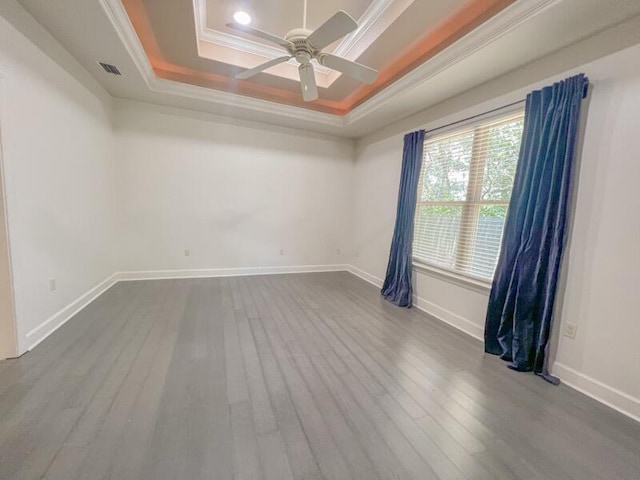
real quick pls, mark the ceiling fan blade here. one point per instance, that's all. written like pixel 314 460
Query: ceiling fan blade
pixel 264 35
pixel 308 82
pixel 355 70
pixel 255 70
pixel 333 29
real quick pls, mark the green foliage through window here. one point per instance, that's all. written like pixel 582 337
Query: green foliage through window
pixel 464 192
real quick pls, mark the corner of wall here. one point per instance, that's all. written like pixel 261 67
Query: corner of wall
pixel 451 318
pixel 27 26
pixel 55 321
pixel 600 391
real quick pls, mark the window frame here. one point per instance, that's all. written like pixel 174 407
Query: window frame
pixel 471 202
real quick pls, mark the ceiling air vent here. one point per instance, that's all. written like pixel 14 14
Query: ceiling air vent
pixel 112 69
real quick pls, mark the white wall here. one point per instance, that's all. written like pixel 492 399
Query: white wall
pixel 86 199
pixel 603 263
pixel 57 152
pixel 233 193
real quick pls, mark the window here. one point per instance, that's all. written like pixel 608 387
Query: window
pixel 463 195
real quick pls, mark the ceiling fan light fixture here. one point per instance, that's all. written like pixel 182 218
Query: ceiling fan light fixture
pixel 242 17
pixel 306 46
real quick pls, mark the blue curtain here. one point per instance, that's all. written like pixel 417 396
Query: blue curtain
pixel 397 287
pixel 520 313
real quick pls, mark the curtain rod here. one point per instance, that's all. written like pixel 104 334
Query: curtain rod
pixel 475 116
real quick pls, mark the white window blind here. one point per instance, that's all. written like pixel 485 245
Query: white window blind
pixel 463 195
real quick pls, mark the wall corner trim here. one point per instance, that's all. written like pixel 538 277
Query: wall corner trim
pixel 599 391
pixel 372 279
pixel 55 321
pixel 226 272
pixel 611 397
pixel 442 314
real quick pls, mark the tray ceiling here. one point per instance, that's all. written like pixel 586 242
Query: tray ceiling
pixel 451 55
pixel 187 41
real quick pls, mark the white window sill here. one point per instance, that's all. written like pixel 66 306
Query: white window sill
pixel 453 277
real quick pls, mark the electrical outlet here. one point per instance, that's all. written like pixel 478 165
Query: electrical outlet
pixel 187 252
pixel 282 251
pixel 357 253
pixel 53 285
pixel 337 251
pixel 570 330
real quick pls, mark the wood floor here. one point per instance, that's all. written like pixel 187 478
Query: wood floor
pixel 306 376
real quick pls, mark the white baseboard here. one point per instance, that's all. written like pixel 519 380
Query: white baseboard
pixel 430 308
pixel 616 399
pixel 54 322
pixel 610 396
pixel 227 272
pixel 372 279
pixel 450 318
pixel 51 324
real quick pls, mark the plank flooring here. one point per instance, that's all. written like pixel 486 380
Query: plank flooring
pixel 288 377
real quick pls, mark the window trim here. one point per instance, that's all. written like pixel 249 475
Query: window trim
pixel 464 279
pixel 470 282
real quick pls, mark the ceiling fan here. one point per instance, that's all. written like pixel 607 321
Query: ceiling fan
pixel 305 45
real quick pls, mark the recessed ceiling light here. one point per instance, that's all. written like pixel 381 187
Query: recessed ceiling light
pixel 243 18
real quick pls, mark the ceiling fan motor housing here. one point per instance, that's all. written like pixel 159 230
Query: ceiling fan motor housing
pixel 303 51
pixel 305 45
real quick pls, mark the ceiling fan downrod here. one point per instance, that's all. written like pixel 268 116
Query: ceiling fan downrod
pixel 305 45
pixel 304 15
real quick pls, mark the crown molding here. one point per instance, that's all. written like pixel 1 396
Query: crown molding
pixel 226 40
pixel 120 21
pixel 377 15
pixel 240 101
pixel 248 46
pixel 376 18
pixel 125 105
pixel 494 28
pixel 369 17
